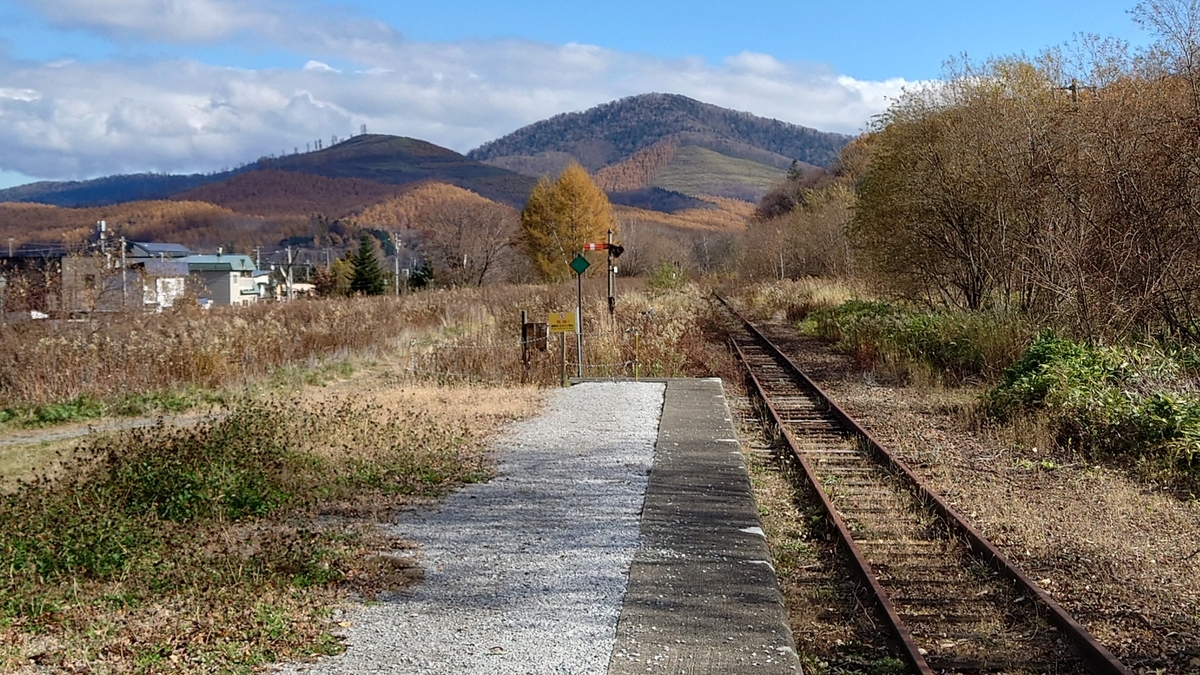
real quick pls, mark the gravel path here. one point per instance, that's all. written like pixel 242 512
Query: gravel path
pixel 526 573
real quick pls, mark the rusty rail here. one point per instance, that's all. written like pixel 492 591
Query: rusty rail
pixel 1097 658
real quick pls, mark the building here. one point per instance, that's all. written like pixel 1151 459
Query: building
pixel 146 249
pixel 147 276
pixel 225 279
pixel 48 280
pixel 32 277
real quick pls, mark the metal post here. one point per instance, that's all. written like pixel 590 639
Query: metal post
pixel 612 280
pixel 562 358
pixel 579 324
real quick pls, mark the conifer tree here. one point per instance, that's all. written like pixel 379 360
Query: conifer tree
pixel 560 217
pixel 368 276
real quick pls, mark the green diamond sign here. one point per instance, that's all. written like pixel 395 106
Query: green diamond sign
pixel 580 264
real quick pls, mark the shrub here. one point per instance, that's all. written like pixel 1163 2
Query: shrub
pixel 955 344
pixel 666 277
pixel 219 516
pixel 1117 400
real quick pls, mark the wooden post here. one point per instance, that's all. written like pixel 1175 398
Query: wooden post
pixel 524 346
pixel 562 358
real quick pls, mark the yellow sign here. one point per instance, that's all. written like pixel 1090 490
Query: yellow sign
pixel 562 322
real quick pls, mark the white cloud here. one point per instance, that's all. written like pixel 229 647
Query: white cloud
pixel 322 67
pixel 186 21
pixel 19 94
pixel 73 120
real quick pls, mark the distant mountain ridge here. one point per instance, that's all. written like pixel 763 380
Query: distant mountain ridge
pixel 379 159
pixel 612 132
pixel 657 151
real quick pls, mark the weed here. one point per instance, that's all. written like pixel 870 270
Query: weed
pixel 958 345
pixel 1131 401
pixel 217 516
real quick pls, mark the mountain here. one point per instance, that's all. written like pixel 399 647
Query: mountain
pixel 385 161
pixel 397 160
pixel 657 151
pixel 272 192
pixel 108 190
pixel 672 128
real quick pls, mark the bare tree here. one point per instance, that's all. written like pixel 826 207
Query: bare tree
pixel 467 238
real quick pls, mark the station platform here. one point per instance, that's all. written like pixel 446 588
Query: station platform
pixel 702 595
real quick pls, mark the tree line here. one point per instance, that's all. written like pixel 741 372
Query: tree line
pixel 1065 187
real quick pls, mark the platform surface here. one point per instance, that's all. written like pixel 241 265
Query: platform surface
pixel 702 594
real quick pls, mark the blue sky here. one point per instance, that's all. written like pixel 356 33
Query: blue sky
pixel 95 87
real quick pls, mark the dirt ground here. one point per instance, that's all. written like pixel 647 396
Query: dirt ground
pixel 1120 553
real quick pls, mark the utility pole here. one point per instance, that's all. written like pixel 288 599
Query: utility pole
pixel 289 273
pixel 258 257
pixel 395 250
pixel 124 281
pixel 10 241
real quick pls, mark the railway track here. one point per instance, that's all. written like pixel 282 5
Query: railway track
pixel 953 602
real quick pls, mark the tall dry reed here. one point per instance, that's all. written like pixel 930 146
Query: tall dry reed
pixel 463 334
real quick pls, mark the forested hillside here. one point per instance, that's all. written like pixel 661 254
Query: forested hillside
pixel 611 133
pixel 108 190
pixel 397 160
pixel 197 225
pixel 385 160
pixel 273 192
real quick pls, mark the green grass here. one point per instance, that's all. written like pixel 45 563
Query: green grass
pixel 952 346
pixel 695 171
pixel 88 408
pixel 217 516
pixel 1134 401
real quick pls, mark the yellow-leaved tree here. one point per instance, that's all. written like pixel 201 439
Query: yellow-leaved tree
pixel 560 217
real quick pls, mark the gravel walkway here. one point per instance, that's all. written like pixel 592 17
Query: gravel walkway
pixel 526 573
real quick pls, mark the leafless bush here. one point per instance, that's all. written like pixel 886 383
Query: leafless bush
pixel 1065 188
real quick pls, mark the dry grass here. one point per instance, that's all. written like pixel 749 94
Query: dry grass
pixel 394 400
pixel 233 594
pixel 791 300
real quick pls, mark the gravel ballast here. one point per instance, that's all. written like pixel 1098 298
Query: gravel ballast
pixel 525 573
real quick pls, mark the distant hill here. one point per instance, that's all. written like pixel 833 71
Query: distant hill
pixel 108 190
pixel 197 225
pixel 272 192
pixel 610 133
pixel 396 160
pixel 650 130
pixel 385 160
pixel 656 152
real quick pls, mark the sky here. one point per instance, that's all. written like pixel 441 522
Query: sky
pixel 98 87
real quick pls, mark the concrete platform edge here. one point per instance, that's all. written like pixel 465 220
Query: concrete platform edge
pixel 702 595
